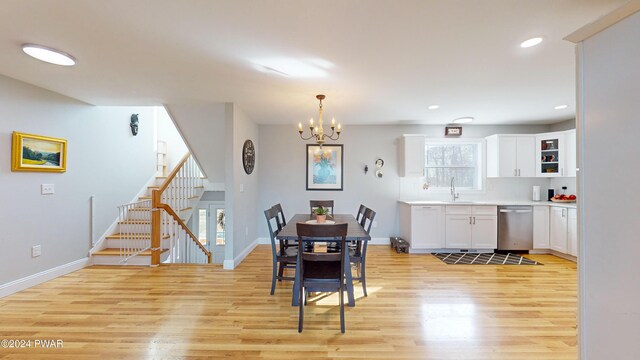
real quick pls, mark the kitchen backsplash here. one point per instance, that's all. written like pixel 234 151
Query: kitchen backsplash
pixel 519 189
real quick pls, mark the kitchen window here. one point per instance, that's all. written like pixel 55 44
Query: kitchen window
pixel 462 159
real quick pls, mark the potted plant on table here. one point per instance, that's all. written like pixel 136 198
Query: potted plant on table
pixel 321 214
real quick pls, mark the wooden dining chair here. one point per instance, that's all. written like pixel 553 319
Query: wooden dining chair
pixel 360 213
pixel 321 272
pixel 281 221
pixel 282 257
pixel 358 253
pixel 314 204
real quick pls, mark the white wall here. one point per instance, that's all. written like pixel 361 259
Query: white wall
pixel 282 172
pixel 103 159
pixel 243 197
pixel 167 132
pixel 608 132
pixel 202 127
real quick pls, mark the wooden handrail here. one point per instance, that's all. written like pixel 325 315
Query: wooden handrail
pixel 175 216
pixel 173 173
pixel 158 205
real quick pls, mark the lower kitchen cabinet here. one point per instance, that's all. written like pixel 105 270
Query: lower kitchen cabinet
pixel 563 230
pixel 471 227
pixel 572 232
pixel 541 227
pixel 422 226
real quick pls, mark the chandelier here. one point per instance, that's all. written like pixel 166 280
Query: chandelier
pixel 317 131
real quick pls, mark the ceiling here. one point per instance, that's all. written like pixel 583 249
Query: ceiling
pixel 378 61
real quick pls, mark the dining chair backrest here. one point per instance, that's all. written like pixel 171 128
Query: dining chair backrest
pixel 271 215
pixel 314 204
pixel 367 219
pixel 281 220
pixel 360 213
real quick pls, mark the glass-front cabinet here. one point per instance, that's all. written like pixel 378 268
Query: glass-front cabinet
pixel 550 150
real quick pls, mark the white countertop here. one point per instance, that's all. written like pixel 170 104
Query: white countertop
pixel 487 202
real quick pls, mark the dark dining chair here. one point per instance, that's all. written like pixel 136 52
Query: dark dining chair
pixel 321 272
pixel 360 213
pixel 358 253
pixel 281 222
pixel 314 204
pixel 283 257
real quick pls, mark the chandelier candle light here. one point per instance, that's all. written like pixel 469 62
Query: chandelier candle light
pixel 317 131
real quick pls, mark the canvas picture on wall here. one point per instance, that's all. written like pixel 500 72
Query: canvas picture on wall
pixel 324 167
pixel 38 153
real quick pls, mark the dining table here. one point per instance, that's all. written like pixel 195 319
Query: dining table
pixel 355 232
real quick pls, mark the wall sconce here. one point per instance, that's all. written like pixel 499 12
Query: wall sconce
pixel 134 124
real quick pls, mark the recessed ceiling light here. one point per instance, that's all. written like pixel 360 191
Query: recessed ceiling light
pixel 48 54
pixel 463 120
pixel 531 42
pixel 560 107
pixel 433 107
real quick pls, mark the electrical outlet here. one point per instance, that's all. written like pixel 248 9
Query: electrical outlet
pixel 375 224
pixel 241 188
pixel 36 251
pixel 246 230
pixel 47 189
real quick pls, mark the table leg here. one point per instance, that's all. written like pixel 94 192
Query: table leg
pixel 348 278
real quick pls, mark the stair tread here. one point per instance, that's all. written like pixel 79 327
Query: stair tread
pixel 134 236
pixel 116 252
pixel 137 222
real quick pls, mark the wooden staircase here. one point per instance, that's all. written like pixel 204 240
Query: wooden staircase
pixel 132 242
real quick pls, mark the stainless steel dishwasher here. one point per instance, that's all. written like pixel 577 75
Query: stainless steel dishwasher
pixel 515 228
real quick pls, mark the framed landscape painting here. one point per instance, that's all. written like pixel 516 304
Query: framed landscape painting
pixel 38 153
pixel 324 167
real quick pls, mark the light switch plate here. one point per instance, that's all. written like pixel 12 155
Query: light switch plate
pixel 241 187
pixel 36 251
pixel 47 189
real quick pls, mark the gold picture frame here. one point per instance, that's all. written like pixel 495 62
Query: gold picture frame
pixel 38 153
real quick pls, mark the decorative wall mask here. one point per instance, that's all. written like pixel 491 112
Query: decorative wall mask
pixel 134 124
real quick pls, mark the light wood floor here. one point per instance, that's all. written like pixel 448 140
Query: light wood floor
pixel 417 308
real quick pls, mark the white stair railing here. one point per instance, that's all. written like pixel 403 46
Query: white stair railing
pixel 168 203
pixel 134 229
pixel 182 247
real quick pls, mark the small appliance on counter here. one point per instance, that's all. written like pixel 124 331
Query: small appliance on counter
pixel 536 193
pixel 551 194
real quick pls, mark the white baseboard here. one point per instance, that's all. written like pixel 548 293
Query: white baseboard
pixel 231 264
pixel 39 278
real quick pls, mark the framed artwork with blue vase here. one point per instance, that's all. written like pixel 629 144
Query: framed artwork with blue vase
pixel 324 167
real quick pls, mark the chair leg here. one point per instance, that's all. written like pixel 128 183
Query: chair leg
pixel 281 271
pixel 301 307
pixel 273 278
pixel 342 309
pixel 363 279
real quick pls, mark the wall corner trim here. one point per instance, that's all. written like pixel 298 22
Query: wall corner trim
pixel 41 277
pixel 231 264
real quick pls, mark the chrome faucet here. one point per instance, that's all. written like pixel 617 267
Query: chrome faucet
pixel 454 195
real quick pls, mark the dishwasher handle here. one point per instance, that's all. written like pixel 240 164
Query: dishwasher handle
pixel 515 211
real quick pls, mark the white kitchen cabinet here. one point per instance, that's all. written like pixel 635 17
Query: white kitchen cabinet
pixel 458 231
pixel 422 226
pixel 511 156
pixel 572 232
pixel 556 154
pixel 571 153
pixel 558 228
pixel 411 162
pixel 541 227
pixel 484 233
pixel 471 227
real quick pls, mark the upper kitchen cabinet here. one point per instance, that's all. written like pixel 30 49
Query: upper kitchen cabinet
pixel 511 156
pixel 411 151
pixel 556 154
